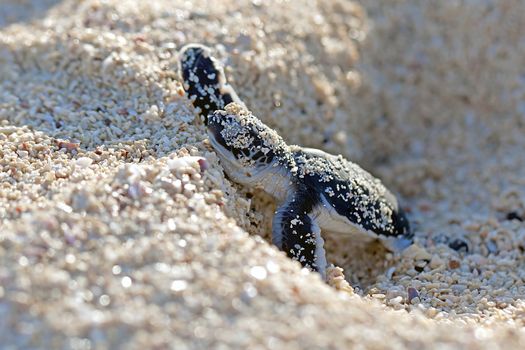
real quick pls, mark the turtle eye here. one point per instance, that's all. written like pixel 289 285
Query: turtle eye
pixel 257 156
pixel 238 153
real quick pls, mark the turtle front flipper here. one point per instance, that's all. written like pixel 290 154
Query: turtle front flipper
pixel 296 232
pixel 204 79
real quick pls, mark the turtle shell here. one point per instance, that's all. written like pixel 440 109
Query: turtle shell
pixel 347 190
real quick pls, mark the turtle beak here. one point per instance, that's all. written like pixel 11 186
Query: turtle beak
pixel 214 132
pixel 219 144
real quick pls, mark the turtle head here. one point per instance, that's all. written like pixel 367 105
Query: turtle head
pixel 247 148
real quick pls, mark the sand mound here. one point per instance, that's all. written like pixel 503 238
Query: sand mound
pixel 119 228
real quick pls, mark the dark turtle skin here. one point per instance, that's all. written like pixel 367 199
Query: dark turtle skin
pixel 315 191
pixel 202 72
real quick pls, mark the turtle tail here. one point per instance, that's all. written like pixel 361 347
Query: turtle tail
pixel 204 80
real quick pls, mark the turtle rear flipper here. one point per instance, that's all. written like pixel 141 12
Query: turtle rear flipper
pixel 204 79
pixel 296 232
pixel 405 236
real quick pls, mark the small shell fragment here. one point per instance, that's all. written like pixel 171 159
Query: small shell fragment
pixel 84 162
pixel 412 293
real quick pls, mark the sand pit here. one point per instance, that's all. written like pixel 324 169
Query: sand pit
pixel 116 233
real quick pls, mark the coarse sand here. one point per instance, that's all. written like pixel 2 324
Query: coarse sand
pixel 120 230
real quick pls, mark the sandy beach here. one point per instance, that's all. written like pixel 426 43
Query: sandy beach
pixel 119 228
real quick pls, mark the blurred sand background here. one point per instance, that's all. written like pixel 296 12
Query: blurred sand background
pixel 112 236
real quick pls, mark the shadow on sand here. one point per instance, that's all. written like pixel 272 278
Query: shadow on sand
pixel 24 11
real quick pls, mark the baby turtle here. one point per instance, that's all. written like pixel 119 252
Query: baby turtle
pixel 315 191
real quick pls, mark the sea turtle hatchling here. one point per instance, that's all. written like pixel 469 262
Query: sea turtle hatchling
pixel 315 191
